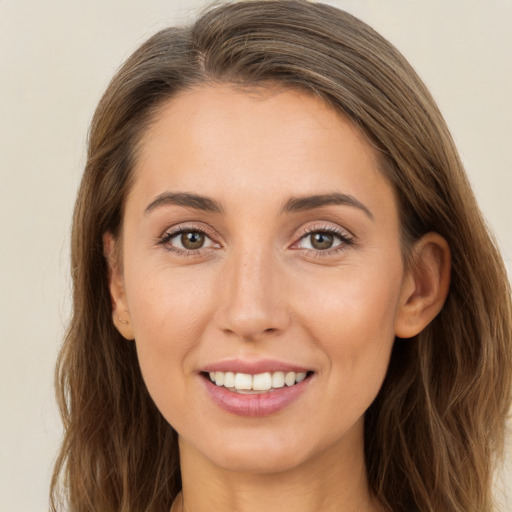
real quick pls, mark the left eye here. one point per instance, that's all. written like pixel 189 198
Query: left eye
pixel 320 241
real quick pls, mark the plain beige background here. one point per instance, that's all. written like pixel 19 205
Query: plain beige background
pixel 56 58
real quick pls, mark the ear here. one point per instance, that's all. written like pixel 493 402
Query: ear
pixel 120 313
pixel 425 286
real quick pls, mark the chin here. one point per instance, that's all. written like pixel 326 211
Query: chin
pixel 255 452
pixel 258 461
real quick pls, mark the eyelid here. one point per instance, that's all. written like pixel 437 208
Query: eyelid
pixel 188 226
pixel 344 235
pixel 173 231
pixel 325 227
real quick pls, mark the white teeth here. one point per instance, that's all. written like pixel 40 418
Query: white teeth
pixel 229 379
pixel 219 378
pixel 242 381
pixel 278 379
pixel 262 382
pixel 289 378
pixel 245 382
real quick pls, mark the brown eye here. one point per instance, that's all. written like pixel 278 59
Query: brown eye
pixel 321 241
pixel 192 240
pixel 188 241
pixel 325 240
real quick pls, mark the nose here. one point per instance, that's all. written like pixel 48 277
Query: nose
pixel 252 303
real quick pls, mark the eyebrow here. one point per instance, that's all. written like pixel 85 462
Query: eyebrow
pixel 187 200
pixel 294 204
pixel 300 204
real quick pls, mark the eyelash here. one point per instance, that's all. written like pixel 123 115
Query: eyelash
pixel 178 230
pixel 345 240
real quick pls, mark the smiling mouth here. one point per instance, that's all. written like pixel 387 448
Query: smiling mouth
pixel 245 383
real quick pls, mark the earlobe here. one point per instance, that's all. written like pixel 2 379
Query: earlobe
pixel 425 287
pixel 120 312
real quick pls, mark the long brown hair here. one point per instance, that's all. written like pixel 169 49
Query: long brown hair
pixel 434 432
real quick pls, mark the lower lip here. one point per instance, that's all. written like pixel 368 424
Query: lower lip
pixel 262 404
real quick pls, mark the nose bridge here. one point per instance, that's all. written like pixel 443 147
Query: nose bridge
pixel 251 301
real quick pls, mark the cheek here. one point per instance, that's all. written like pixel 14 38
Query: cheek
pixel 168 310
pixel 167 304
pixel 356 303
pixel 352 319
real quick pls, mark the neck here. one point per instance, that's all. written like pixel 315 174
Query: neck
pixel 333 480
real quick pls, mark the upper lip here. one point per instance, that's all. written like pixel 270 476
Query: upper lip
pixel 253 367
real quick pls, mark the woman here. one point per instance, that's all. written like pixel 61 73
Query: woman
pixel 284 293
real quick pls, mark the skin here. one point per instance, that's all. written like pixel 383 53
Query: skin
pixel 259 288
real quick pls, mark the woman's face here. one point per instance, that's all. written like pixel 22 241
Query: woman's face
pixel 260 238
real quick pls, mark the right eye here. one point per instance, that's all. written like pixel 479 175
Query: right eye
pixel 187 240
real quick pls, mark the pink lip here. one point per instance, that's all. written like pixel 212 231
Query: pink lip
pixel 255 405
pixel 253 367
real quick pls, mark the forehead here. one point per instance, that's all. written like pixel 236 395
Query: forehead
pixel 220 140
